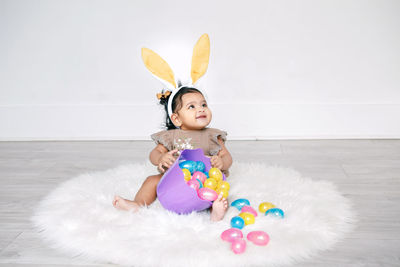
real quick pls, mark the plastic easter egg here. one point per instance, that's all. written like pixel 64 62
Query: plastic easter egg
pixel 211 183
pixel 263 207
pixel 207 175
pixel 247 217
pixel 188 164
pixel 231 234
pixel 216 174
pixel 193 183
pixel 238 246
pixel 224 192
pixel 224 185
pixel 239 203
pixel 186 174
pixel 259 238
pixel 199 175
pixel 237 222
pixel 200 166
pixel 219 183
pixel 249 209
pixel 207 194
pixel 275 212
pixel 200 184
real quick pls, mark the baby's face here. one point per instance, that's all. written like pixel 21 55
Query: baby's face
pixel 194 113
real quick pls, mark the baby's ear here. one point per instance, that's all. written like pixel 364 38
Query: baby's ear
pixel 176 120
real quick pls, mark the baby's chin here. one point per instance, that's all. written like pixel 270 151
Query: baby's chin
pixel 199 126
pixel 203 123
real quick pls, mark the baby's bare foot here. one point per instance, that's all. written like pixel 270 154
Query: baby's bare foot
pixel 219 208
pixel 125 204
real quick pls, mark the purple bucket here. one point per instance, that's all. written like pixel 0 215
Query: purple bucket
pixel 173 192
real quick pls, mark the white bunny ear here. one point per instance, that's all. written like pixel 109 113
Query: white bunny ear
pixel 201 55
pixel 158 67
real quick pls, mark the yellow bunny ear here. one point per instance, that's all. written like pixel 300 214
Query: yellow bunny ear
pixel 158 66
pixel 201 55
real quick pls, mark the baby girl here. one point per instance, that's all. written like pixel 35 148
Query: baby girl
pixel 187 118
pixel 192 115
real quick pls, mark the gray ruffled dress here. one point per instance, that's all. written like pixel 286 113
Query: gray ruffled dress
pixel 206 139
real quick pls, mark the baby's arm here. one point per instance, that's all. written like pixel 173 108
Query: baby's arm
pixel 160 157
pixel 223 160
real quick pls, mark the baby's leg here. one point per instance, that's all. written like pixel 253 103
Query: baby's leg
pixel 145 196
pixel 219 208
pixel 148 192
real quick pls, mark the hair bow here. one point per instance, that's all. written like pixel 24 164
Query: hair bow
pixel 163 95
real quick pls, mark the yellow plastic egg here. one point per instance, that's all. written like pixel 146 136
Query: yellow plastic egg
pixel 263 207
pixel 215 173
pixel 223 185
pixel 224 191
pixel 219 183
pixel 211 183
pixel 187 175
pixel 247 217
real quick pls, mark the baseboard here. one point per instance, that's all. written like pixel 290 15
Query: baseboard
pixel 242 121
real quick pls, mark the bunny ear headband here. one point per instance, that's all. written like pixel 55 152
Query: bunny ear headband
pixel 163 72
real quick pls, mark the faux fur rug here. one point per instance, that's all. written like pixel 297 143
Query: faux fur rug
pixel 78 218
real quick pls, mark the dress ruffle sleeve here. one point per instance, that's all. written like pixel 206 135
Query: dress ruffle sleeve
pixel 214 145
pixel 164 138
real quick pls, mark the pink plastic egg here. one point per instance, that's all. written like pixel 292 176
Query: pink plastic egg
pixel 250 210
pixel 231 234
pixel 199 175
pixel 193 183
pixel 238 246
pixel 207 194
pixel 259 238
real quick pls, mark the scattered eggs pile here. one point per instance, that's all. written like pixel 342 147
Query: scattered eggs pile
pixel 247 216
pixel 207 184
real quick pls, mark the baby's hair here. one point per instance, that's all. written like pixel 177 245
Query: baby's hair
pixel 176 104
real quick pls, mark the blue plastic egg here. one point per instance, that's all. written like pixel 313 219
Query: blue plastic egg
pixel 239 203
pixel 237 222
pixel 188 164
pixel 201 184
pixel 275 212
pixel 206 173
pixel 200 166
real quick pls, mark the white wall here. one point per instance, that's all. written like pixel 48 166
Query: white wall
pixel 278 69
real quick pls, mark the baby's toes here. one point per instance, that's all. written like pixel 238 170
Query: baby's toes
pixel 115 200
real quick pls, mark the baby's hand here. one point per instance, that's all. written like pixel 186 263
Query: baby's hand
pixel 217 162
pixel 166 160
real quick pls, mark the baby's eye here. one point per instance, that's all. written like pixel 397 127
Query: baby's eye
pixel 191 106
pixel 204 105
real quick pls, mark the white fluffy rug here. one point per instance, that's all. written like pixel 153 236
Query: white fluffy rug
pixel 79 219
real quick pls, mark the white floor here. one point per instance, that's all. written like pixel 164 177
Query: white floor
pixel 366 171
